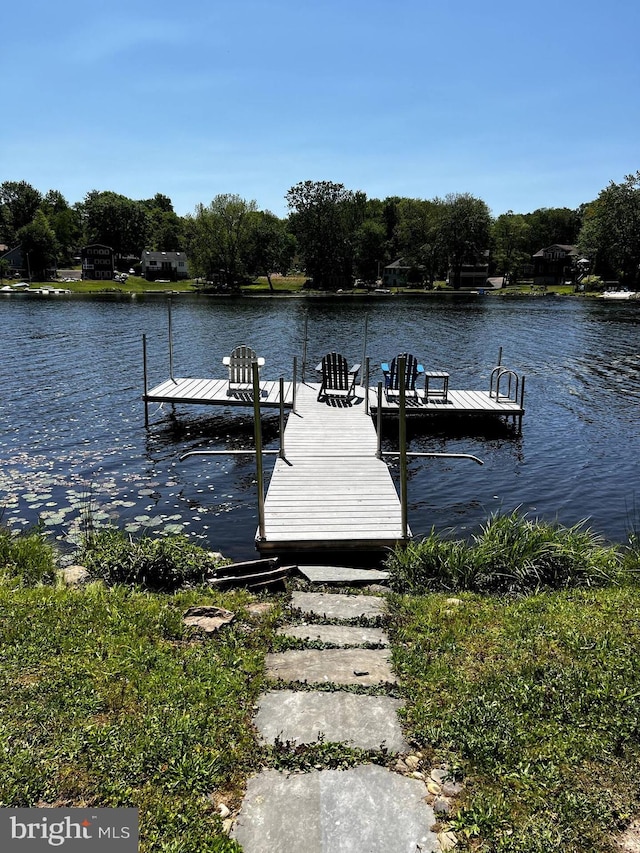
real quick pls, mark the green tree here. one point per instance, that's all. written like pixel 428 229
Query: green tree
pixel 466 226
pixel 116 221
pixel 166 231
pixel 511 241
pixel 420 235
pixel 19 202
pixel 39 246
pixel 5 266
pixel 7 233
pixel 269 245
pixel 324 216
pixel 66 223
pixel 218 238
pixel 370 248
pixel 611 230
pixel 549 225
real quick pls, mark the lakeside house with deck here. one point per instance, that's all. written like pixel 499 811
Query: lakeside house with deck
pixel 169 265
pixel 554 265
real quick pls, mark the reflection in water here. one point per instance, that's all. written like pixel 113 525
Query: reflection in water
pixel 73 426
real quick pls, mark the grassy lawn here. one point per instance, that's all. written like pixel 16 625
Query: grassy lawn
pixel 281 284
pixel 134 284
pixel 536 701
pixel 107 699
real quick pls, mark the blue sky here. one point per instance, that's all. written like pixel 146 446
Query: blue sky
pixel 524 105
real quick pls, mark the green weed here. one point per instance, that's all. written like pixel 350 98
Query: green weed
pixel 166 563
pixel 27 558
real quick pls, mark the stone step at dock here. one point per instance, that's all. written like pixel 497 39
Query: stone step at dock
pixel 364 808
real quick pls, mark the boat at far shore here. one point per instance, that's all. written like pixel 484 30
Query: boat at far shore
pixel 623 293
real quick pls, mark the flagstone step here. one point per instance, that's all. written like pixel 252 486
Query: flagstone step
pixel 365 808
pixel 337 635
pixel 342 574
pixel 365 667
pixel 331 605
pixel 361 721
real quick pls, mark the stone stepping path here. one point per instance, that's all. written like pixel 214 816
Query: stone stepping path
pixel 364 667
pixel 337 635
pixel 361 721
pixel 364 808
pixel 332 605
pixel 342 575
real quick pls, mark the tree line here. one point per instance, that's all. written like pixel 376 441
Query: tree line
pixel 332 233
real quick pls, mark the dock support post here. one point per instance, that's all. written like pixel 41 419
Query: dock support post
pixel 257 432
pixel 521 404
pixel 295 382
pixel 499 357
pixel 170 342
pixel 281 454
pixel 144 371
pixel 366 386
pixel 402 364
pixel 364 344
pixel 379 421
pixel 304 347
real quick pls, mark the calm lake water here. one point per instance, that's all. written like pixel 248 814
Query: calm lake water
pixel 72 421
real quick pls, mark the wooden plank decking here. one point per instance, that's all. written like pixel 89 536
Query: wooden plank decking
pixel 458 403
pixel 331 492
pixel 216 392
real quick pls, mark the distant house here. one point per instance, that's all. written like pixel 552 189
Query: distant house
pixel 473 275
pixel 555 264
pixel 396 274
pixel 97 262
pixel 14 258
pixel 169 265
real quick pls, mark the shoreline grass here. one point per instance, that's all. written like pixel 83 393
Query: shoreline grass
pixel 108 699
pixel 292 285
pixel 536 702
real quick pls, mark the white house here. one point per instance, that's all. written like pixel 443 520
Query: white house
pixel 170 265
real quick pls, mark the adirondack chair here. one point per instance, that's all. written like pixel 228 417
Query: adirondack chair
pixel 392 374
pixel 240 364
pixel 338 379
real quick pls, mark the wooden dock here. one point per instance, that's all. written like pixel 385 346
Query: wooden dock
pixel 216 392
pixel 457 403
pixel 331 492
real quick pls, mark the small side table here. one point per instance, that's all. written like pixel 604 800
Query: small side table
pixel 436 394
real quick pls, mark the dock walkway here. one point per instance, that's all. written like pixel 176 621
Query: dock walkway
pixel 331 492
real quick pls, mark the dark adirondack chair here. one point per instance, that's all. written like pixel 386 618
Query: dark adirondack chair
pixel 338 379
pixel 392 374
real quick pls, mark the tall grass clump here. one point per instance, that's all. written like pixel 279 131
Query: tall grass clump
pixel 515 553
pixel 631 557
pixel 433 564
pixel 511 554
pixel 164 564
pixel 26 559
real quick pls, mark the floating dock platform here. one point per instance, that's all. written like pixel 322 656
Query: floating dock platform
pixel 216 392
